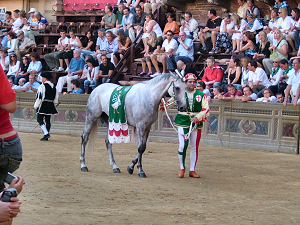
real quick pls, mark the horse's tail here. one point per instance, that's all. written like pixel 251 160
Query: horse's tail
pixel 93 136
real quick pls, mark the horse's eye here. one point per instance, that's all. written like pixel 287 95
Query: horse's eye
pixel 177 88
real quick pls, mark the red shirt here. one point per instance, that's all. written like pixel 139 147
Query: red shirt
pixel 7 95
pixel 237 93
pixel 214 74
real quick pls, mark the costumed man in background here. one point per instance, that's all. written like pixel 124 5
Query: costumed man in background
pixel 192 120
pixel 46 98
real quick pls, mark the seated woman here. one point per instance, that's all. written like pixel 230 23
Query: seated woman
pixel 245 73
pixel 237 32
pixel 11 37
pixel 171 25
pixel 93 71
pixel 249 48
pixel 224 37
pixel 276 84
pixel 90 43
pixel 23 68
pixel 295 26
pixel 14 66
pixel 35 67
pixel 124 43
pixel 262 48
pixel 273 24
pixel 268 96
pixel 150 25
pixel 73 43
pixel 254 25
pixel 153 44
pixel 234 73
pixel 279 49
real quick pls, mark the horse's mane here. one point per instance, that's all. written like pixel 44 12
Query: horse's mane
pixel 157 79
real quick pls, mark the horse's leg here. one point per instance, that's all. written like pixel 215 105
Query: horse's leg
pixel 111 156
pixel 142 135
pixel 131 167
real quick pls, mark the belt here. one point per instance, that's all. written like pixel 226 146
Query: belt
pixel 188 113
pixel 8 138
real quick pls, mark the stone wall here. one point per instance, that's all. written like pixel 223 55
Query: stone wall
pixel 250 125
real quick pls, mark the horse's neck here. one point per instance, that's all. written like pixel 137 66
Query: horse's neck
pixel 160 89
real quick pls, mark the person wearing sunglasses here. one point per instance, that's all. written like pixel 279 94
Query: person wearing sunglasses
pixel 14 66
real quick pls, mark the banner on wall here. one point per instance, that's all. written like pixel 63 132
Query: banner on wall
pixel 2 13
pixel 75 5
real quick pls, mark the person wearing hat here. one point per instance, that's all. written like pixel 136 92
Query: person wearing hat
pixel 22 44
pixel 32 20
pixel 40 27
pixel 190 123
pixel 46 99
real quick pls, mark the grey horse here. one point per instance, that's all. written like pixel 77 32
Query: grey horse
pixel 141 107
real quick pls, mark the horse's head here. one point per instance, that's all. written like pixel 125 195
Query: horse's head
pixel 177 90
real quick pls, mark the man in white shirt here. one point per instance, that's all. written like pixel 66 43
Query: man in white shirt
pixel 189 26
pixel 258 79
pixel 100 44
pixel 293 83
pixel 52 59
pixel 4 59
pixel 18 21
pixel 169 46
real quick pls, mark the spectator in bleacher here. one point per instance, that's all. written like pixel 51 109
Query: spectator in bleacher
pixel 185 52
pixel 216 91
pixel 296 28
pixel 7 23
pixel 201 86
pixel 132 4
pixel 189 26
pixel 106 69
pixel 11 44
pixel 151 5
pixel 150 25
pixel 17 23
pixel 293 83
pixel 237 32
pixel 100 44
pixel 86 70
pixel 124 43
pixel 224 39
pixel 91 75
pixel 75 69
pixel 249 48
pixel 248 95
pixel 245 72
pixel 22 44
pixel 32 85
pixel 24 26
pixel 21 85
pixel 290 36
pixel 109 19
pixel 23 68
pixel 119 15
pixel 267 96
pixel 273 24
pixel 116 7
pixel 74 43
pixel 185 69
pixel 171 25
pixel 90 43
pixel 252 9
pixel 52 59
pixel 258 79
pixel 75 88
pixel 281 4
pixel 4 59
pixel 111 45
pixel 32 20
pixel 213 73
pixel 234 73
pixel 137 23
pixel 232 92
pixel 169 46
pixel 127 21
pixel 154 44
pixel 262 48
pixel 285 23
pixel 40 27
pixel 276 77
pixel 279 98
pixel 14 66
pixel 11 82
pixel 254 25
pixel 242 8
pixel 279 49
pixel 211 29
pixel 287 70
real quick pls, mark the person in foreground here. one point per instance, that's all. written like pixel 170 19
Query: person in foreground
pixel 46 98
pixel 198 110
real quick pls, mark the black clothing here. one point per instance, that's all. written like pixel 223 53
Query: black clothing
pixel 214 23
pixel 106 68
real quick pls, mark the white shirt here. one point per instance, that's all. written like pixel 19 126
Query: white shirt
pixel 259 75
pixel 228 26
pixel 12 45
pixel 256 26
pixel 275 79
pixel 13 69
pixel 271 99
pixel 101 43
pixel 193 27
pixel 274 23
pixel 294 80
pixel 285 24
pixel 6 63
pixel 64 41
pixel 17 24
pixel 173 44
pixel 296 23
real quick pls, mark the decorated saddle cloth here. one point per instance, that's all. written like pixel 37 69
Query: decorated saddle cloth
pixel 118 128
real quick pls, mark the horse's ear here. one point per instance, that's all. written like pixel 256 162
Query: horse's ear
pixel 174 75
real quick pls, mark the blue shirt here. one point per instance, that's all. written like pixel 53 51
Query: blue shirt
pixel 79 91
pixel 37 66
pixel 34 85
pixel 181 51
pixel 76 64
pixel 129 17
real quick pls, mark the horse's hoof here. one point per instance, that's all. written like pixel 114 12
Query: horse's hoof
pixel 143 175
pixel 117 170
pixel 84 169
pixel 130 170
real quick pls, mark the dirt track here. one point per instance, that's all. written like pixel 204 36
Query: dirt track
pixel 236 186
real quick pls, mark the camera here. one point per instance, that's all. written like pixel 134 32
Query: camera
pixel 8 179
pixel 8 194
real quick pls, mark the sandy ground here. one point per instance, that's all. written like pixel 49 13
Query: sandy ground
pixel 236 186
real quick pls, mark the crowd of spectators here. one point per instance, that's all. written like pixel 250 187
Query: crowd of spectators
pixel 261 49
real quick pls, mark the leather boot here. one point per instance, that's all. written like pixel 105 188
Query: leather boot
pixel 193 174
pixel 181 173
